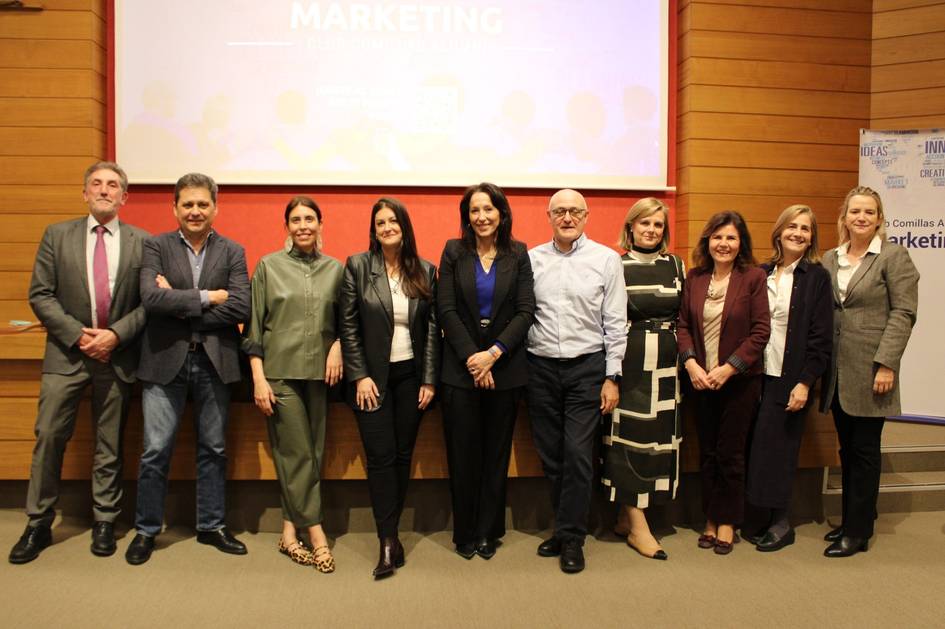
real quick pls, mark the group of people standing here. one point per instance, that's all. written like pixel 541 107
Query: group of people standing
pixel 579 332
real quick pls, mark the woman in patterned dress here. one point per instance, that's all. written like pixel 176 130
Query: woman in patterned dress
pixel 641 453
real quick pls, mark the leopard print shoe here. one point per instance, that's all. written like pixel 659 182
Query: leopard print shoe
pixel 297 553
pixel 323 560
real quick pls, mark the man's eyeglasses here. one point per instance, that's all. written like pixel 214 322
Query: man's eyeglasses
pixel 576 213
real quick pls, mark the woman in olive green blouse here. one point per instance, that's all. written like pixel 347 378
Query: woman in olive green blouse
pixel 295 356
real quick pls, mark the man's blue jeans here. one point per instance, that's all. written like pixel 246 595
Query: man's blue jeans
pixel 163 407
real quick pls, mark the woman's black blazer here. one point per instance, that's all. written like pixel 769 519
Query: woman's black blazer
pixel 809 339
pixel 367 324
pixel 513 309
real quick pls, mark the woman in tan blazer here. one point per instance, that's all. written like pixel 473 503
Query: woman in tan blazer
pixel 875 288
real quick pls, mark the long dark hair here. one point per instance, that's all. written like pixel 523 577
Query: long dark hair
pixel 503 236
pixel 701 258
pixel 415 282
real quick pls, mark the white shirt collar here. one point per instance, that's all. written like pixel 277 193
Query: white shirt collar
pixel 111 226
pixel 876 246
pixel 575 245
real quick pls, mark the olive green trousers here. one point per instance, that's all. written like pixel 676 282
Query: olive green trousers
pixel 297 436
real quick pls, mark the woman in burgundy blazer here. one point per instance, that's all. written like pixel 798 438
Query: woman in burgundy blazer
pixel 723 329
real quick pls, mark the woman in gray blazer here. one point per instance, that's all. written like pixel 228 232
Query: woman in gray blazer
pixel 875 290
pixel 390 341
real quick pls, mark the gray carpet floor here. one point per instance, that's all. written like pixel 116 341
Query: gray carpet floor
pixel 900 582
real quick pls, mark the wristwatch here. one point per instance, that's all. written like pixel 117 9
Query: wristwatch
pixel 615 378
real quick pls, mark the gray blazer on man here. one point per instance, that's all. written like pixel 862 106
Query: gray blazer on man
pixel 175 315
pixel 871 328
pixel 59 295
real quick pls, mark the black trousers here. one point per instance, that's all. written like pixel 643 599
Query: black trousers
pixel 388 435
pixel 861 463
pixel 478 424
pixel 772 457
pixel 564 408
pixel 723 420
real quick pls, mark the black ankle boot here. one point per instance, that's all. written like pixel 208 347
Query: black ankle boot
pixel 385 563
pixel 398 554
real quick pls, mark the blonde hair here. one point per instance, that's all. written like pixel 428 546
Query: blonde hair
pixel 812 254
pixel 643 208
pixel 861 191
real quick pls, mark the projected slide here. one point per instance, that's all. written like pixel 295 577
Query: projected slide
pixel 545 93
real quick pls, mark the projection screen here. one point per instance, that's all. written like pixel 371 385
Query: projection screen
pixel 525 93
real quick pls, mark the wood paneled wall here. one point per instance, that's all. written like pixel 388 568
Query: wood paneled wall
pixel 52 126
pixel 771 96
pixel 908 65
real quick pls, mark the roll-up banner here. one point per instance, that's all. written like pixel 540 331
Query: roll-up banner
pixel 907 168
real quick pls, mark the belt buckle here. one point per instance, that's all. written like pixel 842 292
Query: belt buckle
pixel 485 323
pixel 193 346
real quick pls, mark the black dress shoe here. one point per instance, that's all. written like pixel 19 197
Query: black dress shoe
pixel 385 563
pixel 834 534
pixel 32 542
pixel 550 547
pixel 222 540
pixel 847 547
pixel 485 548
pixel 140 549
pixel 771 542
pixel 466 550
pixel 103 539
pixel 572 557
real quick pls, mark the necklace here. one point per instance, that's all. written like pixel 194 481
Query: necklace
pixel 717 288
pixel 395 284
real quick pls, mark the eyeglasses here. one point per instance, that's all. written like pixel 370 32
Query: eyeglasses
pixel 576 213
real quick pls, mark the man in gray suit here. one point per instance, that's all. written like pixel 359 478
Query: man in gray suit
pixel 85 291
pixel 195 290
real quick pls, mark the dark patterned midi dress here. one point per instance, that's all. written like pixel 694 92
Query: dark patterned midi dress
pixel 641 448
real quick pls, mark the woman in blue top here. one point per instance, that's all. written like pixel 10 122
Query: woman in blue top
pixel 486 304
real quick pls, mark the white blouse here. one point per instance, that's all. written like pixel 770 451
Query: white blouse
pixel 845 269
pixel 400 346
pixel 779 303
